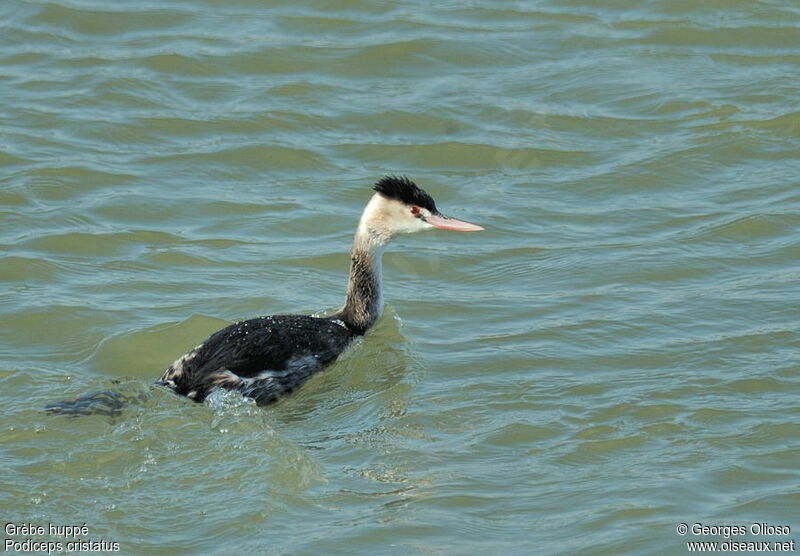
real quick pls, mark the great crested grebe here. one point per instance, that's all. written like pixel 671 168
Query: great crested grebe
pixel 267 358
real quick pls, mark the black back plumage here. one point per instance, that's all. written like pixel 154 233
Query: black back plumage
pixel 265 358
pixel 402 189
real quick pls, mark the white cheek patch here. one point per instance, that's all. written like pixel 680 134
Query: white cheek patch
pixel 385 218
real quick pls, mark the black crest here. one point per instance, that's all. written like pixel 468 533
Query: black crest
pixel 406 191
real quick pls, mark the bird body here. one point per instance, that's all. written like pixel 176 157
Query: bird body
pixel 265 358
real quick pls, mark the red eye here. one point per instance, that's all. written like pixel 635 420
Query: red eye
pixel 415 210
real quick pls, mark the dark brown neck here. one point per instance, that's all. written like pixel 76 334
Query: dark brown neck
pixel 364 302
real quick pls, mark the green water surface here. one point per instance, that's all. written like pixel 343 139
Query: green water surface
pixel 615 355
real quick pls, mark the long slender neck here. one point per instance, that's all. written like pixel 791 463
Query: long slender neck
pixel 364 302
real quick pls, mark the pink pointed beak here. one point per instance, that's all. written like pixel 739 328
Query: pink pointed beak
pixel 446 223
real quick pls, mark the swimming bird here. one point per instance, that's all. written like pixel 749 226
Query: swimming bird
pixel 267 358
